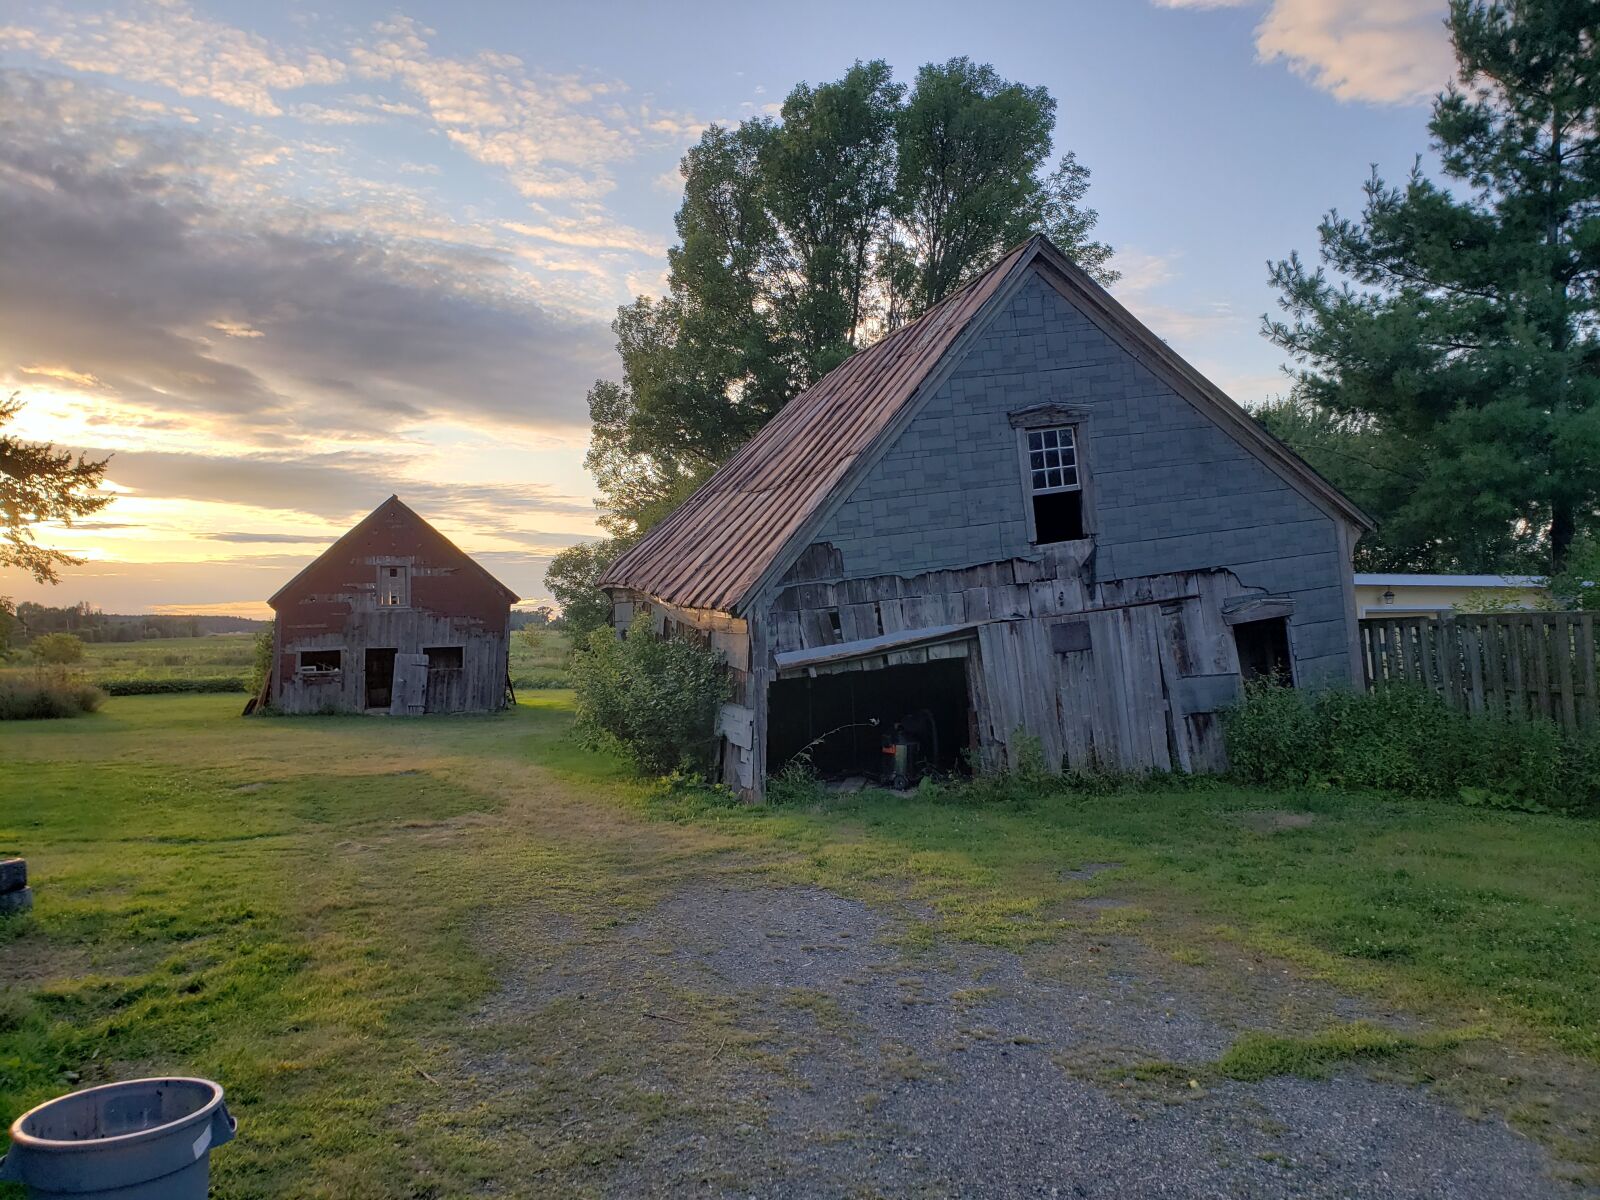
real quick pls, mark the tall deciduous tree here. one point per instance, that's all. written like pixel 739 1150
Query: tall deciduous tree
pixel 1466 322
pixel 804 238
pixel 969 180
pixel 39 483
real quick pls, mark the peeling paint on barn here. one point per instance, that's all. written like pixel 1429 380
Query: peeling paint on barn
pixel 393 618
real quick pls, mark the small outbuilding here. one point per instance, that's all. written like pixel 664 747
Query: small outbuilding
pixel 393 618
pixel 1020 528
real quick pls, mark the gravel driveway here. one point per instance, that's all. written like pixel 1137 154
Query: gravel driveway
pixel 744 1040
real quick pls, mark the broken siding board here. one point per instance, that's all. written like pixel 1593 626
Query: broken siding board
pixel 859 621
pixel 1076 698
pixel 816 628
pixel 1040 692
pixel 891 614
pixel 1146 700
pixel 1172 646
pixel 786 632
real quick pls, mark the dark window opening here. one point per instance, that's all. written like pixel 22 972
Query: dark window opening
pixel 834 622
pixel 1058 517
pixel 321 660
pixel 444 658
pixel 922 714
pixel 1264 650
pixel 380 678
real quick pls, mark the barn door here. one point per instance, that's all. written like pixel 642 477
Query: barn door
pixel 410 685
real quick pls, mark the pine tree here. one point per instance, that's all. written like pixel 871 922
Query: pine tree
pixel 1466 316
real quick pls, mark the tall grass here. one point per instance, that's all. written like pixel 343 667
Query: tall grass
pixel 43 695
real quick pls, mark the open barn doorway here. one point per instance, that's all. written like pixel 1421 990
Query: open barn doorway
pixel 379 677
pixel 852 724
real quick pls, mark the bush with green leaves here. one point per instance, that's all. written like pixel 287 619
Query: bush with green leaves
pixel 43 695
pixel 654 699
pixel 261 655
pixel 56 649
pixel 1405 740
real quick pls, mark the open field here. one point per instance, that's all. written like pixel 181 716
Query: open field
pixel 541 665
pixel 461 956
pixel 226 654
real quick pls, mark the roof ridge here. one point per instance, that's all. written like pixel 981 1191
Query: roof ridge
pixel 757 500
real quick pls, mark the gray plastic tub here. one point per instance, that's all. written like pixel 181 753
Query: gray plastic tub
pixel 148 1139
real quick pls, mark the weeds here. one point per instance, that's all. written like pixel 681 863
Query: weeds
pixel 44 695
pixel 1407 741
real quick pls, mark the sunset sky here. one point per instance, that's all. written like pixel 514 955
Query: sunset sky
pixel 285 259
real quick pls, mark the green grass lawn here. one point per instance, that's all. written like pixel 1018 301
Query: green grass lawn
pixel 289 905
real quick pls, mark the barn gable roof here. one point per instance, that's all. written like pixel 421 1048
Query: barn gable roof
pixel 350 542
pixel 746 524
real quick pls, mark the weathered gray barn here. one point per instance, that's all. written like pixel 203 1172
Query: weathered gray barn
pixel 1021 514
pixel 392 618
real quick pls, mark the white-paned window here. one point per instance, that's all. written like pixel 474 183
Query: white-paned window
pixel 1053 459
pixel 1053 472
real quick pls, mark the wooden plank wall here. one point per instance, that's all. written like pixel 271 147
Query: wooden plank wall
pixel 1117 701
pixel 1516 664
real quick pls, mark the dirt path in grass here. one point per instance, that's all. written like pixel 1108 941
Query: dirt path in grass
pixel 743 1039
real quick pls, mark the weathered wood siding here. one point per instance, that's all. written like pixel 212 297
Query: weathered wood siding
pixel 1126 674
pixel 479 685
pixel 1171 490
pixel 392 583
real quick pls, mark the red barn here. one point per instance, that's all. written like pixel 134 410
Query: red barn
pixel 392 618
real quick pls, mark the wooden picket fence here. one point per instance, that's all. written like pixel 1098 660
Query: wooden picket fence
pixel 1519 664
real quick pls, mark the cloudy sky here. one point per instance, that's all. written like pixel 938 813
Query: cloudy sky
pixel 283 260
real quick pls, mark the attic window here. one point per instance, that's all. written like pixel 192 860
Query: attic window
pixel 317 661
pixel 1055 483
pixel 394 587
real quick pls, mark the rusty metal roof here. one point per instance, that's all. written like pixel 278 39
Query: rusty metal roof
pixel 391 509
pixel 714 548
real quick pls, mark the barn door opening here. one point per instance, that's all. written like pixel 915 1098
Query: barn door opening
pixel 909 720
pixel 379 678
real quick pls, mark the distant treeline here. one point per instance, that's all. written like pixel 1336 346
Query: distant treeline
pixel 92 625
pixel 543 617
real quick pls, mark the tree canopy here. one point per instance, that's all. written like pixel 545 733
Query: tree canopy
pixel 39 483
pixel 806 237
pixel 1449 342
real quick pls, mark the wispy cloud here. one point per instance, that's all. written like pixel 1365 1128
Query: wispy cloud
pixel 130 272
pixel 1382 51
pixel 169 45
pixel 1389 51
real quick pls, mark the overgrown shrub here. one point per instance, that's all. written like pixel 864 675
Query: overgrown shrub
pixel 43 695
pixel 654 699
pixel 1406 740
pixel 261 659
pixel 56 649
pixel 172 687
